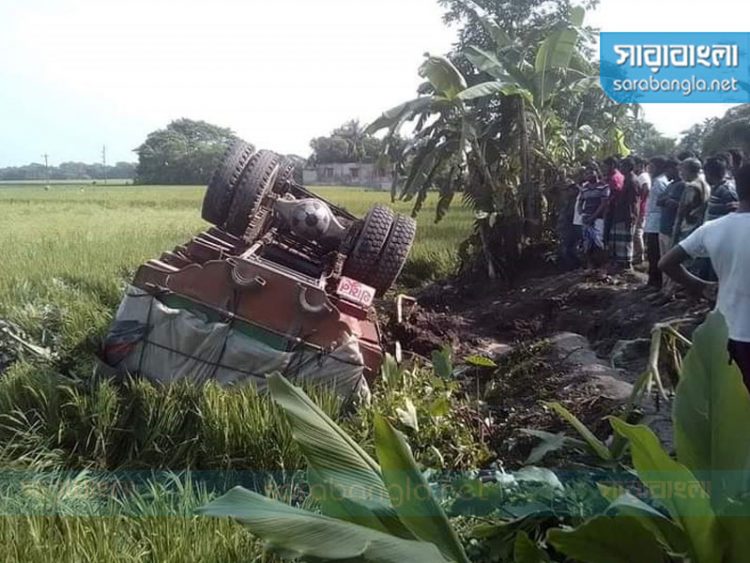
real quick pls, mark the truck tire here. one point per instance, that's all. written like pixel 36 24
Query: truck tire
pixel 221 188
pixel 286 175
pixel 362 261
pixel 394 254
pixel 256 181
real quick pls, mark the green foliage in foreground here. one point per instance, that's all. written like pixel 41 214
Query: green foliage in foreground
pixel 695 508
pixel 370 512
pixel 702 495
pixel 49 423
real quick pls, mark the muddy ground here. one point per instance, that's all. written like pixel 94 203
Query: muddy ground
pixel 552 337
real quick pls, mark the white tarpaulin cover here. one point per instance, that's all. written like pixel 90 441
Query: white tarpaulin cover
pixel 166 344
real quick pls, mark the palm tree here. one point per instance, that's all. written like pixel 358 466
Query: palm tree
pixel 353 132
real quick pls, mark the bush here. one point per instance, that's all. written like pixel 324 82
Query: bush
pixel 442 424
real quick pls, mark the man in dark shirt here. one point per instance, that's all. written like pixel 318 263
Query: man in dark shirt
pixel 568 232
pixel 723 198
pixel 592 206
pixel 669 203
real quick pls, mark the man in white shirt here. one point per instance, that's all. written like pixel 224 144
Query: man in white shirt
pixel 657 168
pixel 725 242
pixel 644 183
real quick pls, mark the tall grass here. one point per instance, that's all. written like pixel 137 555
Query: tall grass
pixel 76 517
pixel 136 425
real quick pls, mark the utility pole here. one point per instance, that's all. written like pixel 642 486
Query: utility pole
pixel 104 163
pixel 46 167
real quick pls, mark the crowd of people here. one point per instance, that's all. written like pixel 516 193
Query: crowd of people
pixel 682 220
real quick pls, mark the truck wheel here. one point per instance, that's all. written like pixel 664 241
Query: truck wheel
pixel 286 175
pixel 362 261
pixel 257 180
pixel 394 254
pixel 221 188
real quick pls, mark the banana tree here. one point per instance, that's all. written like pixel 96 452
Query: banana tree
pixel 499 134
pixel 447 130
pixel 452 121
pixel 552 79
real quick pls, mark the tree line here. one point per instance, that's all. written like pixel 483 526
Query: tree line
pixel 187 151
pixel 68 171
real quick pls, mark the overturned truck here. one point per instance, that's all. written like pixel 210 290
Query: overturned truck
pixel 283 281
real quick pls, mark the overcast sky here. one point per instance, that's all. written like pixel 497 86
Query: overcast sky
pixel 77 74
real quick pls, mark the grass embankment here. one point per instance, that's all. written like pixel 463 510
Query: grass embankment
pixel 67 253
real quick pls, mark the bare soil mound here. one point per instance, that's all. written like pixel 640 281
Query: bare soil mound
pixel 551 337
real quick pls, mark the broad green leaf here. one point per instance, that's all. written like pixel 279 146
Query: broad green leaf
pixel 500 537
pixel 677 488
pixel 335 457
pixel 443 75
pixel 401 112
pixel 527 551
pixel 539 475
pixel 408 415
pixel 611 493
pixel 298 533
pixel 712 402
pixel 491 88
pixel 604 539
pixel 487 62
pixel 333 503
pixel 442 362
pixel 593 442
pixel 480 362
pixel 664 529
pixel 549 443
pixel 425 161
pixel 391 372
pixel 735 528
pixel 411 495
pixel 557 49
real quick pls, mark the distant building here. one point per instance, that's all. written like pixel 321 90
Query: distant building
pixel 347 174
